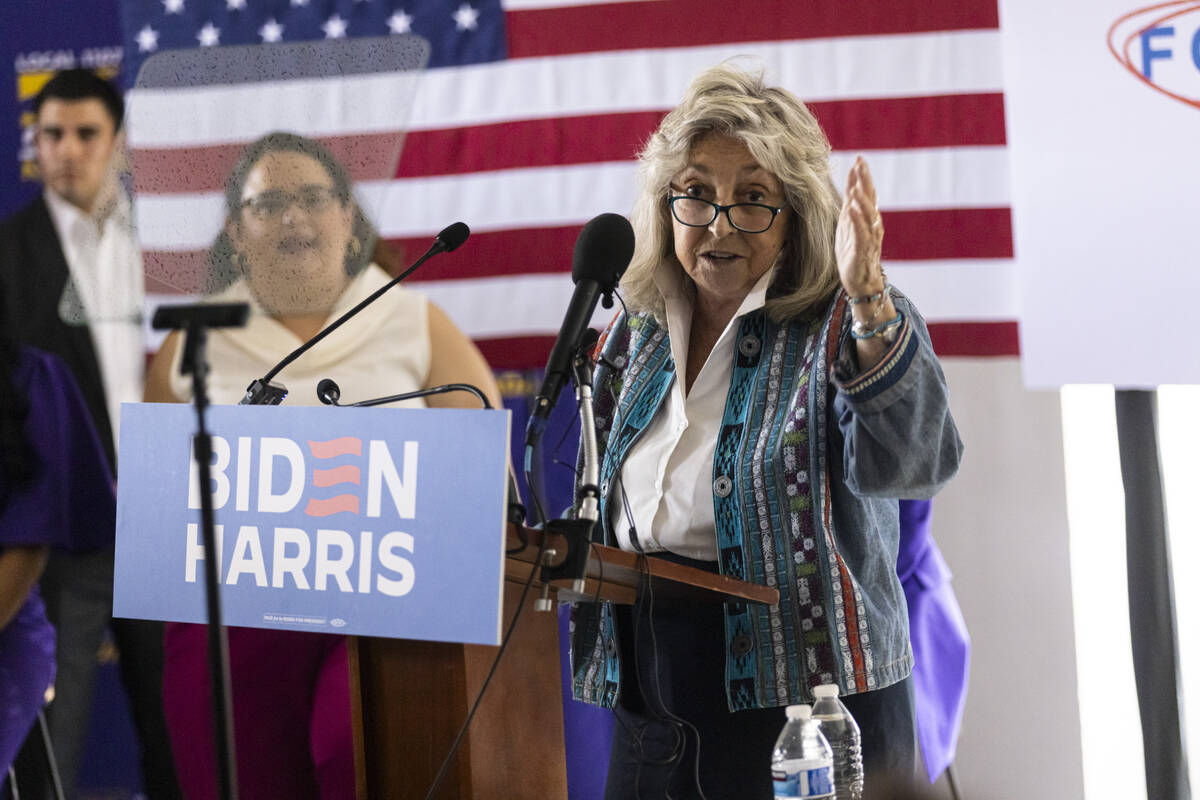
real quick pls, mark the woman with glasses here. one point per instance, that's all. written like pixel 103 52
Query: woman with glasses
pixel 297 247
pixel 762 402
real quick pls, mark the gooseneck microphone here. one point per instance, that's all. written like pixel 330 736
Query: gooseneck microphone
pixel 602 252
pixel 264 392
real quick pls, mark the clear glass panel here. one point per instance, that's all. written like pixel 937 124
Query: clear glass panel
pixel 257 170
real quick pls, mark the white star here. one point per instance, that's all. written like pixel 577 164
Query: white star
pixel 209 35
pixel 173 6
pixel 298 3
pixel 272 31
pixel 466 18
pixel 400 22
pixel 235 5
pixel 334 27
pixel 147 40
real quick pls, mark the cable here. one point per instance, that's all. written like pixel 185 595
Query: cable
pixel 599 578
pixel 554 459
pixel 675 724
pixel 678 721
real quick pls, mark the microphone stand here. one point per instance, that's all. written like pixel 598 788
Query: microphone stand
pixel 329 393
pixel 578 531
pixel 194 321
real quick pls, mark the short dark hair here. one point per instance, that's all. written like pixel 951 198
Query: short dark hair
pixel 82 84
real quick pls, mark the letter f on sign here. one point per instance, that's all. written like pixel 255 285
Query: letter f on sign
pixel 1149 54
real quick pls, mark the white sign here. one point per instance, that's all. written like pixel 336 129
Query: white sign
pixel 1103 105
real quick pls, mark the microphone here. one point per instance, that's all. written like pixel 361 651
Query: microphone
pixel 602 252
pixel 264 392
pixel 449 239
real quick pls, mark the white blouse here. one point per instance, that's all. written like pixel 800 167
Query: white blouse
pixel 383 350
pixel 666 480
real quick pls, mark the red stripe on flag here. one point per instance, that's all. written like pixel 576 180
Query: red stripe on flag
pixel 528 143
pixel 366 156
pixel 952 120
pixel 911 236
pixel 516 352
pixel 691 23
pixel 499 253
pixel 947 233
pixel 888 124
pixel 974 339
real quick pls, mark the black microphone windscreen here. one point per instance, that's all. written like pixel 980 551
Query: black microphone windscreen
pixel 453 235
pixel 603 250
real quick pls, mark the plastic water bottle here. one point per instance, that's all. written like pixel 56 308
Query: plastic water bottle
pixel 845 739
pixel 802 763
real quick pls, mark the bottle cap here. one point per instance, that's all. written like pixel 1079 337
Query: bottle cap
pixel 826 690
pixel 803 711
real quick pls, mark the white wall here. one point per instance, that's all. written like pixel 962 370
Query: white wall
pixel 1002 524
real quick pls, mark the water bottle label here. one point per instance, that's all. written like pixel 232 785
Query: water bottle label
pixel 803 784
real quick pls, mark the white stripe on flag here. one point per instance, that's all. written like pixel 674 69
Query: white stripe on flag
pixel 533 305
pixel 543 88
pixel 916 179
pixel 209 115
pixel 967 290
pixel 556 86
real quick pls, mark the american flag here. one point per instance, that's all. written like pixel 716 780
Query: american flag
pixel 528 118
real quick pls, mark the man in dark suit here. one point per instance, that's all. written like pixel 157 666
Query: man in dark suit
pixel 72 280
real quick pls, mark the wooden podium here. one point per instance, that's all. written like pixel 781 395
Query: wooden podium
pixel 411 697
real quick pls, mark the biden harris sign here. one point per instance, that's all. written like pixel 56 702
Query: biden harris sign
pixel 379 522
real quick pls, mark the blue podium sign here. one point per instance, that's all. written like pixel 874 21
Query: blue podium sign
pixel 379 522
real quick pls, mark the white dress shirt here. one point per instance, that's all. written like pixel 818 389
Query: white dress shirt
pixel 668 475
pixel 106 293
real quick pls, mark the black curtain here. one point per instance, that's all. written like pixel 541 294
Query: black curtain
pixel 1151 598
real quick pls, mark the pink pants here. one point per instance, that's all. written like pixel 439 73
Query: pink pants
pixel 291 712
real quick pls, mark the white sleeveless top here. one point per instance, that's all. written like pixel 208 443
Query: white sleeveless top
pixel 383 350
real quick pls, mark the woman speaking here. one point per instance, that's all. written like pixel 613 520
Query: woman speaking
pixel 762 404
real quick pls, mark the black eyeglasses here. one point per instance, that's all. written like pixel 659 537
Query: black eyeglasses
pixel 272 204
pixel 746 217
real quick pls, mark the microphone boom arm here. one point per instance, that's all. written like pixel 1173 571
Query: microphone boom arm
pixel 263 392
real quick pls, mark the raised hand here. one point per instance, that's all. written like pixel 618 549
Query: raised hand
pixel 859 241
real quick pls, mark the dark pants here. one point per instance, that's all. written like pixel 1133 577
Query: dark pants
pixel 674 729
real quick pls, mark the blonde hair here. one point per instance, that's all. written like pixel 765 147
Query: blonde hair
pixel 784 138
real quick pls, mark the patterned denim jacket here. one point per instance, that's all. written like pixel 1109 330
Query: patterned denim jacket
pixel 802 505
